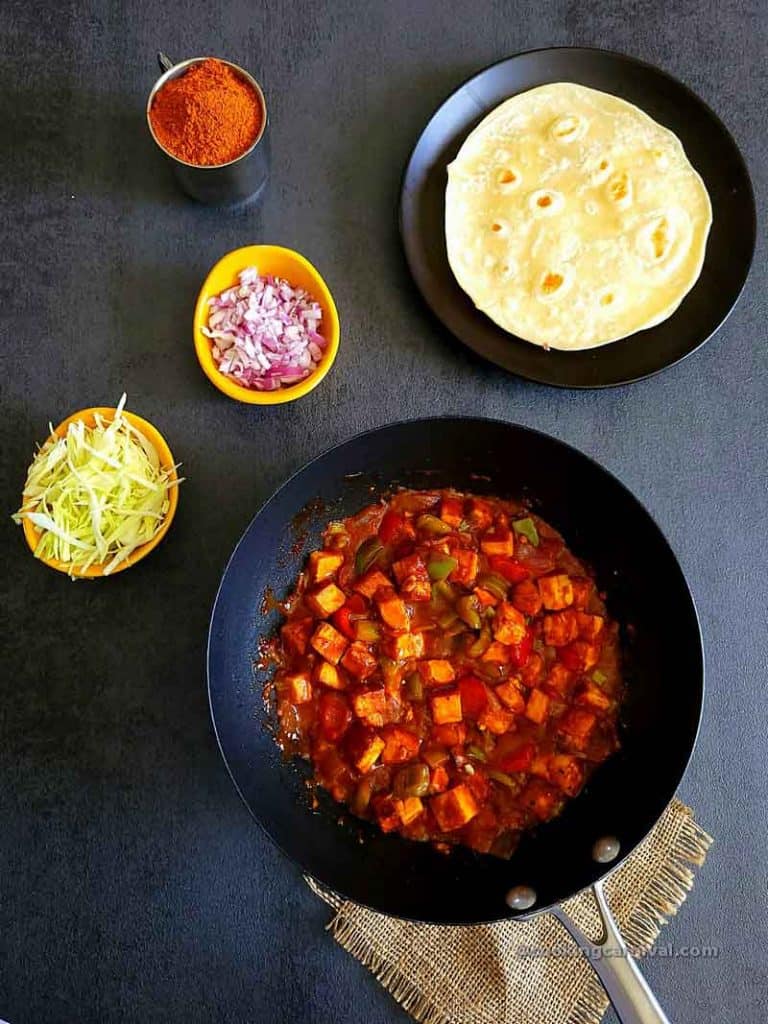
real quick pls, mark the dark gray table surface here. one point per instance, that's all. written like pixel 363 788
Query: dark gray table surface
pixel 133 885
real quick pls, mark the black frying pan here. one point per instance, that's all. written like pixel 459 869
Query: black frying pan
pixel 602 523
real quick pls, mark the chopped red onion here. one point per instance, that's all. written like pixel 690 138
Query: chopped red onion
pixel 265 333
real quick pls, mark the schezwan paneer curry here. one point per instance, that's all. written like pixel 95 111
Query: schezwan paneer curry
pixel 449 668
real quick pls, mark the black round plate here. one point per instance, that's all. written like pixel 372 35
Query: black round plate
pixel 710 149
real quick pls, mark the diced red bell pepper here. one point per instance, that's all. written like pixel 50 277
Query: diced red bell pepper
pixel 334 715
pixel 540 560
pixel 342 619
pixel 518 760
pixel 438 779
pixel 474 696
pixel 519 653
pixel 391 526
pixel 510 568
pixel 582 590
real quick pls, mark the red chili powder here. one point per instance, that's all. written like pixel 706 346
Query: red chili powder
pixel 209 115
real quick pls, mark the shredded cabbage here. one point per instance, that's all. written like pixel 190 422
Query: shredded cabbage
pixel 96 494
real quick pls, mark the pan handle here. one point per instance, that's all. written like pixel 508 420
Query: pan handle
pixel 619 975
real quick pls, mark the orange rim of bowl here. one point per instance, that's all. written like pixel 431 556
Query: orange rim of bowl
pixel 223 275
pixel 158 442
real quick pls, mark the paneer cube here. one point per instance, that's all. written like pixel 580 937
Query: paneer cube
pixel 537 707
pixel 497 720
pixel 452 735
pixel 329 643
pixel 409 809
pixel 392 610
pixel 386 813
pixel 455 808
pixel 404 646
pixel 532 670
pixel 371 707
pixel 411 565
pixel 560 628
pixel 565 772
pixel 509 626
pixel 326 600
pixel 296 634
pixel 359 661
pixel 591 696
pixel 466 568
pixel 370 755
pixel 500 541
pixel 400 745
pixel 496 652
pixel 558 679
pixel 298 687
pixel 329 675
pixel 436 672
pixel 580 656
pixel 480 513
pixel 576 725
pixel 324 564
pixel 452 510
pixel 509 694
pixel 556 591
pixel 526 598
pixel 541 799
pixel 417 590
pixel 446 707
pixel 413 578
pixel 371 582
pixel 590 626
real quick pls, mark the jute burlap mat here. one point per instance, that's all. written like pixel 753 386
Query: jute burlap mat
pixel 487 975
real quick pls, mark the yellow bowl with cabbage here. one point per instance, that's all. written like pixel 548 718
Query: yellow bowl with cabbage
pixel 101 493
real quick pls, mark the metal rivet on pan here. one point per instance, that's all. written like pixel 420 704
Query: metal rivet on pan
pixel 522 897
pixel 606 849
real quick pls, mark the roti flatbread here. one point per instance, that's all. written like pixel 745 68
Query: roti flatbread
pixel 572 219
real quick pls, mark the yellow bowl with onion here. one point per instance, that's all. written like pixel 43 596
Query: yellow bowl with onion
pixel 89 417
pixel 297 271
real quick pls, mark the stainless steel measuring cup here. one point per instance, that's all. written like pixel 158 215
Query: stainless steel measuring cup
pixel 238 180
